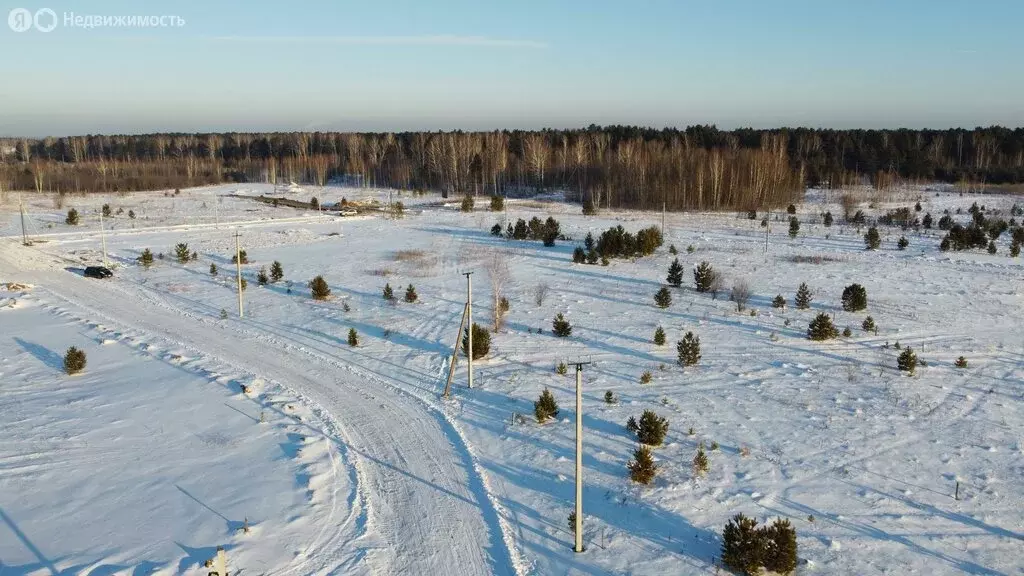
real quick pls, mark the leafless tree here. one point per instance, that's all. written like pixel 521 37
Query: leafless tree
pixel 740 294
pixel 540 292
pixel 717 284
pixel 496 264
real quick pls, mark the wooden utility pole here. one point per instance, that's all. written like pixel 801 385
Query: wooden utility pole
pixel 455 352
pixel 578 547
pixel 24 234
pixel 469 323
pixel 238 275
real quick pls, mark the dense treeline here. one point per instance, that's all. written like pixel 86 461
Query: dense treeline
pixel 699 167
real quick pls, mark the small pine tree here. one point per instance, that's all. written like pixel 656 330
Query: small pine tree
pixel 276 272
pixel 1015 250
pixel 700 462
pixel 663 298
pixel 659 336
pixel 389 294
pixel 561 327
pixel 503 305
pixel 961 362
pixel 319 289
pixel 131 214
pixel 410 294
pixel 855 298
pixel 779 301
pixel 579 256
pixel 182 253
pixel 675 273
pixel 869 324
pixel 561 369
pixel 991 247
pixel 74 361
pixel 917 207
pixel 545 407
pixel 72 218
pixel 828 219
pixel 780 549
pixel 821 328
pixel 872 240
pixel 646 377
pixel 213 269
pixel 353 337
pixel 588 207
pixel 496 230
pixel 481 341
pixel 588 242
pixel 240 256
pixel 794 227
pixel 467 203
pixel 927 221
pixel 703 276
pixel 847 332
pixel 631 424
pixel 609 397
pixel 195 256
pixel 689 350
pixel 146 259
pixel 106 211
pixel 791 209
pixel 642 468
pixel 244 284
pixel 902 243
pixel 742 545
pixel 907 361
pixel 497 203
pixel 803 297
pixel 572 522
pixel 673 250
pixel 261 277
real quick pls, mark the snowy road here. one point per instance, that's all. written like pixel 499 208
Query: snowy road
pixel 419 506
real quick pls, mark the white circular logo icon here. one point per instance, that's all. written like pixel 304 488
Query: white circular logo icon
pixel 20 19
pixel 45 20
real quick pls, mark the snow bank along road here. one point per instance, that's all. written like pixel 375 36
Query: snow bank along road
pixel 419 506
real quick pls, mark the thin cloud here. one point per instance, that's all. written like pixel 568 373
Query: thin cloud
pixel 435 40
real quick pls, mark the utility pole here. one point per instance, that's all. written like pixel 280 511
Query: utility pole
pixel 103 239
pixel 455 353
pixel 24 235
pixel 469 322
pixel 238 275
pixel 578 547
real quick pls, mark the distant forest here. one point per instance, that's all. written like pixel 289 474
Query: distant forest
pixel 700 167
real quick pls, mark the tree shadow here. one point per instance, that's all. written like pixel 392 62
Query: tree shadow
pixel 48 357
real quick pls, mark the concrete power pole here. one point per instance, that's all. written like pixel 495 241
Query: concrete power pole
pixel 238 275
pixel 469 322
pixel 578 546
pixel 103 239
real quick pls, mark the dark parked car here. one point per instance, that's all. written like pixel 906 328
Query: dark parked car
pixel 98 272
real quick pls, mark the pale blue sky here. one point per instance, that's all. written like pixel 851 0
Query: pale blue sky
pixel 477 64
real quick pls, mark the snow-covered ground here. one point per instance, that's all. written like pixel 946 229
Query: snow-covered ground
pixel 154 456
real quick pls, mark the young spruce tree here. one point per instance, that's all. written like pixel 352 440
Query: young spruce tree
pixel 561 327
pixel 675 273
pixel 803 297
pixel 642 468
pixel 663 298
pixel 689 350
pixel 545 407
